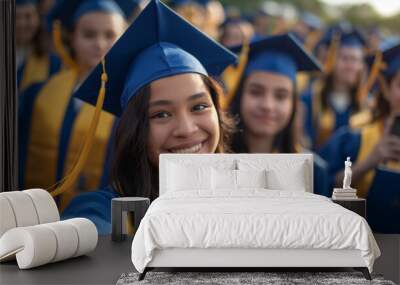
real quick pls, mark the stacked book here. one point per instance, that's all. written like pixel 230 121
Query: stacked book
pixel 344 194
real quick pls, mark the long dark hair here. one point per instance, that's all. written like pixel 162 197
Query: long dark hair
pixel 40 41
pixel 381 108
pixel 284 142
pixel 132 173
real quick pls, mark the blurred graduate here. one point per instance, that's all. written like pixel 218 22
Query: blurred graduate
pixel 191 10
pixel 162 90
pixel 332 99
pixel 51 122
pixel 235 32
pixel 374 148
pixel 35 63
pixel 265 102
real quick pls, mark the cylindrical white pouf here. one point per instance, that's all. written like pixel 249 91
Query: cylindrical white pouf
pixel 7 218
pixel 45 205
pixel 67 239
pixel 23 208
pixel 87 235
pixel 37 245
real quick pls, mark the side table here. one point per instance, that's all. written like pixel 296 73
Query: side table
pixel 137 205
pixel 357 205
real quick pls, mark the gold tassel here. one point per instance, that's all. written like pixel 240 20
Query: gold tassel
pixel 376 68
pixel 237 73
pixel 332 53
pixel 69 180
pixel 59 46
pixel 383 85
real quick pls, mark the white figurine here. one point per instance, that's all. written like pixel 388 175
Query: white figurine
pixel 347 174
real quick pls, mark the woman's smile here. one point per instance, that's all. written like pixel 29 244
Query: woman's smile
pixel 193 147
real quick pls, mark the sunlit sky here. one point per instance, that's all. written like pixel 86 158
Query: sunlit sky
pixel 384 7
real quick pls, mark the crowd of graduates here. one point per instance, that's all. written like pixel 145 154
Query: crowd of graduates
pixel 304 86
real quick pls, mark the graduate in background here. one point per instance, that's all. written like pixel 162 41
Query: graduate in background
pixel 214 17
pixel 52 123
pixel 207 15
pixel 374 150
pixel 235 32
pixel 308 30
pixel 192 10
pixel 331 100
pixel 266 102
pixel 162 89
pixel 35 63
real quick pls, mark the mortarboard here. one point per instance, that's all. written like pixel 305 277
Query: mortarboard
pixel 388 42
pixel 168 46
pixel 348 36
pixel 69 11
pixel 281 54
pixel 385 62
pixel 353 38
pixel 391 56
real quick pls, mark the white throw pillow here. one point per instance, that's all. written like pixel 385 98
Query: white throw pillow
pixel 224 179
pixel 281 174
pixel 182 177
pixel 251 178
pixel 279 180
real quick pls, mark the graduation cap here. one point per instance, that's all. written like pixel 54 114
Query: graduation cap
pixel 391 56
pixel 69 11
pixel 353 39
pixel 347 36
pixel 389 42
pixel 282 54
pixel 384 62
pixel 158 44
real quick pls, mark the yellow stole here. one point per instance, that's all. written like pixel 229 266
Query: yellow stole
pixel 325 119
pixel 36 70
pixel 47 120
pixel 360 119
pixel 93 169
pixel 326 125
pixel 370 136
